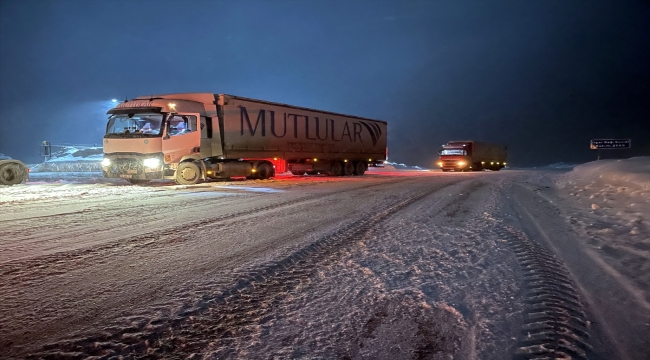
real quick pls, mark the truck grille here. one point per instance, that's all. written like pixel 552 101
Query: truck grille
pixel 449 163
pixel 127 166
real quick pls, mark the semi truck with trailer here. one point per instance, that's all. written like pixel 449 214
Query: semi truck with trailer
pixel 195 137
pixel 472 155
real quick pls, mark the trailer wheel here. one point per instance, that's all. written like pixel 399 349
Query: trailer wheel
pixel 264 170
pixel 12 174
pixel 348 169
pixel 336 169
pixel 359 168
pixel 188 173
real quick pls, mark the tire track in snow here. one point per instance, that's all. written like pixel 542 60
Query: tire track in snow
pixel 243 304
pixel 555 324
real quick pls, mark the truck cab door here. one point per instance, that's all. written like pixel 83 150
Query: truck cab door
pixel 182 136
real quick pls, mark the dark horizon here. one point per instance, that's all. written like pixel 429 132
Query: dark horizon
pixel 542 77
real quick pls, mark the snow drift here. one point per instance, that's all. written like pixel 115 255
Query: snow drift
pixel 633 172
pixel 622 186
pixel 612 212
pixel 72 159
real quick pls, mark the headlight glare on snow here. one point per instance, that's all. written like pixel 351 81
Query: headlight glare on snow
pixel 151 163
pixel 106 162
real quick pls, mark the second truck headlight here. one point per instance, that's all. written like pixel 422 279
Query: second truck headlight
pixel 151 163
pixel 461 163
pixel 106 162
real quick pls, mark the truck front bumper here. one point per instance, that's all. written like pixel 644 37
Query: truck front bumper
pixel 131 168
pixel 454 165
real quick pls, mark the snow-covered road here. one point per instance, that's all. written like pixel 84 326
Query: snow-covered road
pixel 396 265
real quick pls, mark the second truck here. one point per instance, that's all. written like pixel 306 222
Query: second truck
pixel 470 155
pixel 193 137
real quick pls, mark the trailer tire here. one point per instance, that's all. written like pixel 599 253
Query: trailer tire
pixel 264 170
pixel 336 169
pixel 12 174
pixel 359 168
pixel 188 173
pixel 348 169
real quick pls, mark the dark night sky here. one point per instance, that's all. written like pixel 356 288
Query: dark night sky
pixel 543 77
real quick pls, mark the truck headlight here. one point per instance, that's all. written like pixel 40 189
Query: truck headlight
pixel 461 163
pixel 106 162
pixel 151 163
pixel 440 163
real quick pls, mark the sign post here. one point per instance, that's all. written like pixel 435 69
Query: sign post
pixel 610 144
pixel 46 150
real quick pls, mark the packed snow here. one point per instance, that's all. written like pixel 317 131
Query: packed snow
pixel 299 266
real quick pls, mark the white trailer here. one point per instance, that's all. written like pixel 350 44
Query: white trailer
pixel 200 136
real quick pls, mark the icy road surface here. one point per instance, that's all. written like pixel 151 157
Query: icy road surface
pixel 391 265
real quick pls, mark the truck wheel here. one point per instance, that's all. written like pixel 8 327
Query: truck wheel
pixel 188 173
pixel 336 169
pixel 348 169
pixel 138 181
pixel 359 168
pixel 264 170
pixel 11 174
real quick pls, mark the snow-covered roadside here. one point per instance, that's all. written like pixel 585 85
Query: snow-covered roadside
pixel 72 159
pixel 612 198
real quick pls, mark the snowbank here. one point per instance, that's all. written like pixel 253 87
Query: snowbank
pixel 633 172
pixel 72 153
pixel 613 189
pixel 560 165
pixel 73 159
pixel 400 166
pixel 612 199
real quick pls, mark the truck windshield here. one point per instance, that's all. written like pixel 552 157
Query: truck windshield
pixel 453 152
pixel 134 125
